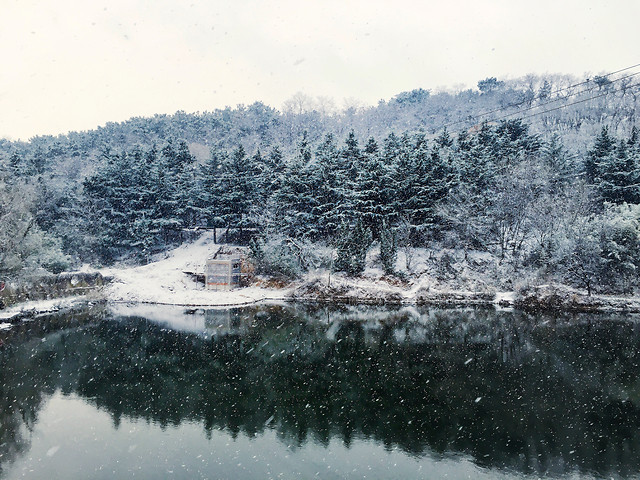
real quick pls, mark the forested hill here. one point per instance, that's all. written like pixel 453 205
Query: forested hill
pixel 534 171
pixel 571 107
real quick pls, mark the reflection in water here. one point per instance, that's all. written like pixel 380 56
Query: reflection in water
pixel 517 394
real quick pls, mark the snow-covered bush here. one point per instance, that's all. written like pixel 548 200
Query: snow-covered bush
pixel 620 247
pixel 601 252
pixel 25 249
pixel 284 257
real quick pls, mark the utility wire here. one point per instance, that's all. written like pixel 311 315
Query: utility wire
pixel 607 92
pixel 589 90
pixel 588 80
pixel 577 102
pixel 517 104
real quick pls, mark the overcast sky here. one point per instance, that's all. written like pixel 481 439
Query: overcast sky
pixel 75 65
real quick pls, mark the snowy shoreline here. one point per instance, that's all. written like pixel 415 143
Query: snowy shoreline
pixel 350 292
pixel 164 282
pixel 29 310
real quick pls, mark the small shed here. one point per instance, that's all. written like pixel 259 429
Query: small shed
pixel 223 272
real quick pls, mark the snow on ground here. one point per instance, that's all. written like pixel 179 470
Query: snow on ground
pixel 165 282
pixel 435 276
pixel 29 309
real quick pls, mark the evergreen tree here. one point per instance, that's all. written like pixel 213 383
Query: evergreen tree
pixel 331 200
pixel 559 162
pixel 618 180
pixel 271 173
pixel 167 211
pixel 38 161
pixel 112 195
pixel 613 169
pixel 372 191
pixel 352 157
pixel 351 248
pixel 422 179
pixel 388 249
pixel 371 147
pixel 444 140
pixel 404 178
pixel 293 202
pixel 392 149
pixel 179 178
pixel 237 189
pixel 145 230
pixel 604 146
pixel 210 188
pixel 634 137
pixel 16 165
pixel 294 198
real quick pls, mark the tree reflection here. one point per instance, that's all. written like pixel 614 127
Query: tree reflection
pixel 534 395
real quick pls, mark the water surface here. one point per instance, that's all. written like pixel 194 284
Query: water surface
pixel 293 391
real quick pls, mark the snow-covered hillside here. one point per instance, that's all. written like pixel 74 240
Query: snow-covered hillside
pixel 164 281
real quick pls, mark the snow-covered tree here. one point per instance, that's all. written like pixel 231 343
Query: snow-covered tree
pixel 352 245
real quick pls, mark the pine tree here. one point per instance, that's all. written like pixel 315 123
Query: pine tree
pixel 179 178
pixel 16 165
pixel 392 149
pixel 352 157
pixel 559 162
pixel 603 147
pixel 186 182
pixel 617 181
pixel 237 189
pixel 613 169
pixel 388 248
pixel 144 232
pixel 331 203
pixel 271 173
pixel 444 139
pixel 404 177
pixel 294 199
pixel 168 209
pixel 634 137
pixel 422 179
pixel 112 198
pixel 372 190
pixel 210 188
pixel 351 248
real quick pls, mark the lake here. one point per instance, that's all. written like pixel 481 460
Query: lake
pixel 310 391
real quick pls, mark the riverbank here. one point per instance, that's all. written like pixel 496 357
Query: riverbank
pixel 166 281
pixel 464 282
pixel 50 294
pixel 32 309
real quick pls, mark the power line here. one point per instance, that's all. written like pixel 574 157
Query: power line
pixel 517 104
pixel 608 92
pixel 588 80
pixel 589 90
pixel 577 102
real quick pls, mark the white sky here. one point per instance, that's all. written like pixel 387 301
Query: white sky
pixel 76 64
